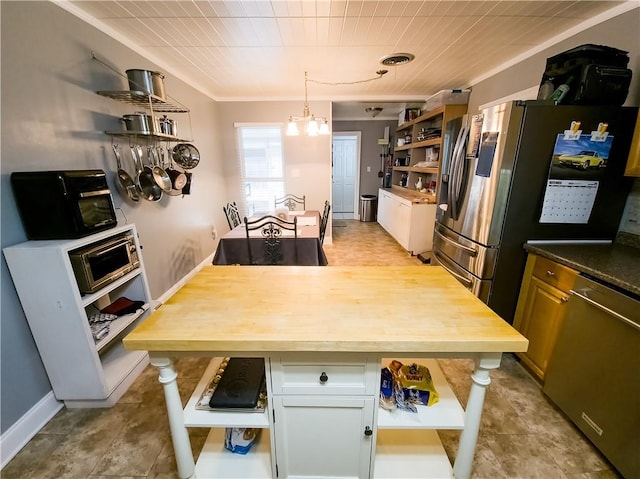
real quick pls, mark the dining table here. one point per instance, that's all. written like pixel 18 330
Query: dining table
pixel 303 250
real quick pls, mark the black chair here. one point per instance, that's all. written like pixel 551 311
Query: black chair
pixel 232 214
pixel 291 202
pixel 324 220
pixel 271 228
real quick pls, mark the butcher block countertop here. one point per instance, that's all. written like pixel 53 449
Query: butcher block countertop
pixel 331 308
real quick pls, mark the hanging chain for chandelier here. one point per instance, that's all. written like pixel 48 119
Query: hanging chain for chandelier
pixel 313 125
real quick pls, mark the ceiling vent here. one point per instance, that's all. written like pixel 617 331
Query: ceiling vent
pixel 396 59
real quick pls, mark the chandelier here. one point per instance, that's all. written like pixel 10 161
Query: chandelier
pixel 309 123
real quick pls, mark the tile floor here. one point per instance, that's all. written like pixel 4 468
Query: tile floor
pixel 522 434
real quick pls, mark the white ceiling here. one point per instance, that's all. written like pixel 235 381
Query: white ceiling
pixel 244 50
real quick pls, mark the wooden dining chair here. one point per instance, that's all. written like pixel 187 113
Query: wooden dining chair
pixel 232 214
pixel 271 229
pixel 291 201
pixel 324 220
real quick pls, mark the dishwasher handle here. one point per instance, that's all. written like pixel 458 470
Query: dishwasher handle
pixel 601 307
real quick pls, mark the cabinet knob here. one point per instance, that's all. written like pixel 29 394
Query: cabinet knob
pixel 323 377
pixel 550 273
pixel 564 299
pixel 368 431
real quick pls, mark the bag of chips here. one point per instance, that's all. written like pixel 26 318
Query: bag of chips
pixel 412 385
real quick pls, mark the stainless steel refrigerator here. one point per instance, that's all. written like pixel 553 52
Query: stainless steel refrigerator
pixel 527 171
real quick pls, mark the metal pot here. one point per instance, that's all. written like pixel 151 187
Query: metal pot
pixel 146 81
pixel 168 126
pixel 139 122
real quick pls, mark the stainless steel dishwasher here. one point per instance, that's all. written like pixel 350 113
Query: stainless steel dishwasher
pixel 594 371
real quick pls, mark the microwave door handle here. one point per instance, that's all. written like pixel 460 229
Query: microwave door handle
pixel 89 194
pixel 466 281
pixel 466 249
pixel 108 249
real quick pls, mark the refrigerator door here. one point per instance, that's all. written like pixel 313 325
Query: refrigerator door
pixel 487 174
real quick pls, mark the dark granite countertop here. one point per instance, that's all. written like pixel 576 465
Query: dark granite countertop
pixel 615 263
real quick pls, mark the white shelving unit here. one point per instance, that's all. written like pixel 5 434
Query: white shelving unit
pixel 405 442
pixel 82 372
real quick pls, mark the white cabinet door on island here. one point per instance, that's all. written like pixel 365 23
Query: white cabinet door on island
pixel 324 344
pixel 83 371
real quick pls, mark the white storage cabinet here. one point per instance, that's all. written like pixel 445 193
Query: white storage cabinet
pixel 82 372
pixel 411 224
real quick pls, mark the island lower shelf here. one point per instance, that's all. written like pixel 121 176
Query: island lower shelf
pixel 405 442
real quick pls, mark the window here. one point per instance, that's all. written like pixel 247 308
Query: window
pixel 261 166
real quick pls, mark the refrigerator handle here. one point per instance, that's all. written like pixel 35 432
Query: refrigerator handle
pixel 471 251
pixel 457 172
pixel 466 281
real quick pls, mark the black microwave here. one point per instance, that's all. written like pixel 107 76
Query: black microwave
pixel 63 204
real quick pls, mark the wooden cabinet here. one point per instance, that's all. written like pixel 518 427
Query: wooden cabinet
pixel 541 309
pixel 419 159
pixel 323 421
pixel 410 223
pixel 633 163
pixel 83 372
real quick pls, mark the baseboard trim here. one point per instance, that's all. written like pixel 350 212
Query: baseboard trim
pixel 23 430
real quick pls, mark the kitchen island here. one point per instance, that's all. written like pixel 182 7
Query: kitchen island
pixel 324 333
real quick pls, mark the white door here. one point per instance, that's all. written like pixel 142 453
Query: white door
pixel 346 173
pixel 323 437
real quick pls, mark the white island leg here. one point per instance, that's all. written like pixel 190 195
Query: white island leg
pixel 179 433
pixel 473 413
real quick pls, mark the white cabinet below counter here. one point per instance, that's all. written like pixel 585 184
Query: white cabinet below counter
pixel 410 223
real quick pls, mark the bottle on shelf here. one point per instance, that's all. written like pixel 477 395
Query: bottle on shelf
pixel 546 90
pixel 562 90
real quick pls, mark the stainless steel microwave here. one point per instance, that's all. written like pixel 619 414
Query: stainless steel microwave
pixel 101 263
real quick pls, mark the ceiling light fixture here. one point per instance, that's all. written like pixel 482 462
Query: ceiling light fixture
pixel 308 119
pixel 311 125
pixel 374 110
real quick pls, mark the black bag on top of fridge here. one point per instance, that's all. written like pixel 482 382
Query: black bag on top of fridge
pixel 595 75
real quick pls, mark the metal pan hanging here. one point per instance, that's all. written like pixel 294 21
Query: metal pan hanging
pixel 186 155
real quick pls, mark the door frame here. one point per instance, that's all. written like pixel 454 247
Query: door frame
pixel 356 190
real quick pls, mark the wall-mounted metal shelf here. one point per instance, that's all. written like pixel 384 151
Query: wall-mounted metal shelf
pixel 147 135
pixel 145 100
